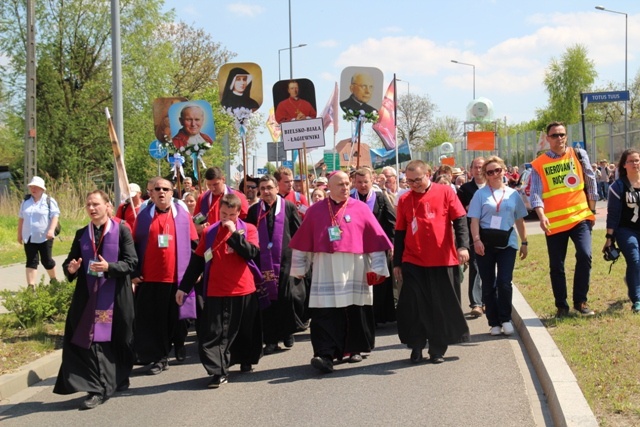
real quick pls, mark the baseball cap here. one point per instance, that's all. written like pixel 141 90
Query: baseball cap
pixel 134 189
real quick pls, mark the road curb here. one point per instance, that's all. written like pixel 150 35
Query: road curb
pixel 32 373
pixel 567 403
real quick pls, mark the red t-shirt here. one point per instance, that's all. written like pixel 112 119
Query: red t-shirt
pixel 129 216
pixel 432 245
pixel 229 274
pixel 302 204
pixel 214 206
pixel 160 264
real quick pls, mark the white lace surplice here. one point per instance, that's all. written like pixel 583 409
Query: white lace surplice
pixel 339 279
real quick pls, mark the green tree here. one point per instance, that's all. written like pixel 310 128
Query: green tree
pixel 415 119
pixel 564 80
pixel 444 129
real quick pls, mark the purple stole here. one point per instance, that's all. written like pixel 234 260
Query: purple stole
pixel 182 220
pixel 271 251
pixel 210 237
pixel 205 204
pixel 97 318
pixel 370 200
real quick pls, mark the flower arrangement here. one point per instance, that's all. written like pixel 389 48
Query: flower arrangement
pixel 241 114
pixel 352 116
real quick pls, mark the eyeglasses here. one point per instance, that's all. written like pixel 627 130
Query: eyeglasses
pixel 251 187
pixel 558 135
pixel 365 87
pixel 165 189
pixel 415 181
pixel 267 188
pixel 495 171
pixel 634 161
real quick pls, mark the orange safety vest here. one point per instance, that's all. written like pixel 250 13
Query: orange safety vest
pixel 565 202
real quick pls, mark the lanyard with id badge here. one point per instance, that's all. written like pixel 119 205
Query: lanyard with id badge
pixel 496 220
pixel 95 250
pixel 163 237
pixel 335 233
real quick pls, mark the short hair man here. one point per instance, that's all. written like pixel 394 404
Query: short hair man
pixel 294 107
pixel 192 119
pixel 563 194
pixel 230 327
pixel 208 206
pixel 361 89
pixel 430 272
pixel 338 233
pixel 284 176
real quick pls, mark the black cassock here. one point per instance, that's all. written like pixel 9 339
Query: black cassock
pixel 105 365
pixel 383 300
pixel 286 315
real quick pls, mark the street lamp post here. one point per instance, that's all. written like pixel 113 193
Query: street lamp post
pixel 474 74
pixel 404 81
pixel 291 69
pixel 626 102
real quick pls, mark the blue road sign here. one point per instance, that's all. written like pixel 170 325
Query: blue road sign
pixel 620 95
pixel 578 144
pixel 262 171
pixel 156 150
pixel 288 164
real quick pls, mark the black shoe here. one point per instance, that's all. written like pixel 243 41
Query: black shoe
pixel 323 364
pixel 436 359
pixel 245 367
pixel 217 380
pixel 124 385
pixel 158 367
pixel 562 312
pixel 92 401
pixel 271 348
pixel 584 310
pixel 289 341
pixel 416 355
pixel 355 358
pixel 181 354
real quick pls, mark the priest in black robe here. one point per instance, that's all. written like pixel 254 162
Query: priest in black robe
pixel 277 220
pixel 384 309
pixel 97 353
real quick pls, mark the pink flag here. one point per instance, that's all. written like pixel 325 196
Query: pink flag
pixel 331 110
pixel 386 125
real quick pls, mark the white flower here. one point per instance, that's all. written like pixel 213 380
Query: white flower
pixel 196 147
pixel 188 152
pixel 182 149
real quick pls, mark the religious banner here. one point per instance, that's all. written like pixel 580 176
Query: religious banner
pixel 294 100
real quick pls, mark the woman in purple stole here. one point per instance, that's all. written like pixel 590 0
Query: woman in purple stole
pixel 277 220
pixel 97 354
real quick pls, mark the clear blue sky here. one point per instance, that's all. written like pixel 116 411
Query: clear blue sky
pixel 510 43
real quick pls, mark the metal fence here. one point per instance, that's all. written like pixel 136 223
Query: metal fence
pixel 604 141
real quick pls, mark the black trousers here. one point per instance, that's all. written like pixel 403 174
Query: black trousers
pixel 338 331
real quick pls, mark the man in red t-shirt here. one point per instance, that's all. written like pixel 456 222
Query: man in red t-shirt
pixel 128 210
pixel 230 327
pixel 163 235
pixel 427 263
pixel 284 176
pixel 207 209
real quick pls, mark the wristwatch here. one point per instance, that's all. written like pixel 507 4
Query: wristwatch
pixel 525 243
pixel 608 236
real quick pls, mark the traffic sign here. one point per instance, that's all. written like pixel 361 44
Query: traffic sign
pixel 263 171
pixel 272 149
pixel 578 144
pixel 332 161
pixel 156 150
pixel 288 164
pixel 614 96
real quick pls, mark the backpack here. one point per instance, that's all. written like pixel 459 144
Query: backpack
pixel 58 228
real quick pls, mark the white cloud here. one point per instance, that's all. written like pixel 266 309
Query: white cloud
pixel 328 76
pixel 245 10
pixel 328 43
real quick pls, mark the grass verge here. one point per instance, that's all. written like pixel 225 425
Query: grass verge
pixel 602 351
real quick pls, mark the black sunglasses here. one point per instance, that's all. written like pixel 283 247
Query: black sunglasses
pixel 251 187
pixel 558 135
pixel 494 171
pixel 165 189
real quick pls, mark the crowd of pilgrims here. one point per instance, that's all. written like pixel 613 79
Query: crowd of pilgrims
pixel 250 267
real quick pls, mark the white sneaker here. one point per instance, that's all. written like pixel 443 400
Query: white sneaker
pixel 507 328
pixel 496 330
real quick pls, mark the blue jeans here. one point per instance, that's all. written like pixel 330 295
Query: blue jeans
pixel 628 240
pixel 497 291
pixel 475 283
pixel 557 249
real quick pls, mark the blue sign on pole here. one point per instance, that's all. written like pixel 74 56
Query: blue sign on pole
pixel 288 164
pixel 614 96
pixel 578 144
pixel 156 150
pixel 262 171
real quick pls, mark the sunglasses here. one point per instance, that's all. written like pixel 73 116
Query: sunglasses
pixel 558 135
pixel 251 187
pixel 494 171
pixel 165 189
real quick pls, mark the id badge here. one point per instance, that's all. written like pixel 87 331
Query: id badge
pixel 94 273
pixel 334 233
pixel 163 241
pixel 495 221
pixel 199 219
pixel 208 255
pixel 302 209
pixel 414 226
